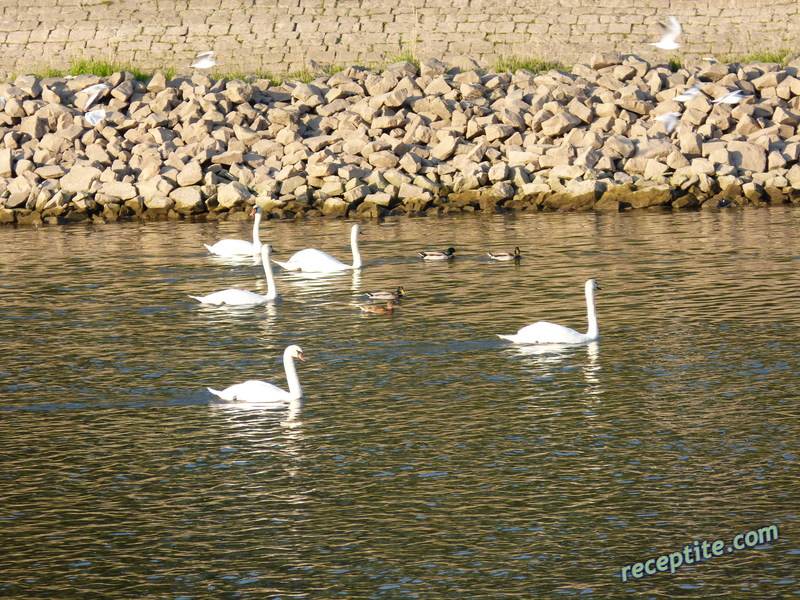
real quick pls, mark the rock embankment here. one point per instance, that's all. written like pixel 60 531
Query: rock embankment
pixel 404 141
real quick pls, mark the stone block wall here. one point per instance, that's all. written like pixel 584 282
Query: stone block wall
pixel 274 36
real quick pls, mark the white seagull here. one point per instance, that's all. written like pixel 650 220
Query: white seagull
pixel 671 32
pixel 733 97
pixel 688 94
pixel 205 60
pixel 93 92
pixel 670 120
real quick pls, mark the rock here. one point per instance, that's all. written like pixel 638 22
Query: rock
pixel 560 124
pixel 80 179
pixel 748 156
pixel 188 200
pixel 190 174
pixel 232 195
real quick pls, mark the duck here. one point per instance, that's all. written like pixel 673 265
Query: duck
pixel 378 309
pixel 395 295
pixel 262 392
pixel 516 255
pixel 448 254
pixel 312 260
pixel 236 297
pixel 230 247
pixel 543 332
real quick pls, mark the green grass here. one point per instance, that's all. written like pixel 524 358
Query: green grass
pixel 511 64
pixel 101 68
pixel 405 55
pixel 775 56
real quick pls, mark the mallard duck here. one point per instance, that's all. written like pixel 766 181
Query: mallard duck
pixel 516 255
pixel 378 309
pixel 395 295
pixel 448 254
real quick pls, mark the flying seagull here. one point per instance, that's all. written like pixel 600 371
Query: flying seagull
pixel 671 32
pixel 204 60
pixel 670 120
pixel 688 94
pixel 733 97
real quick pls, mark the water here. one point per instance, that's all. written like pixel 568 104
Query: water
pixel 430 459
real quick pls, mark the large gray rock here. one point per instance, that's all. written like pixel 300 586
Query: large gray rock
pixel 748 156
pixel 80 179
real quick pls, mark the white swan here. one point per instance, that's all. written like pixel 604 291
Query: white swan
pixel 234 297
pixel 312 260
pixel 240 247
pixel 261 391
pixel 550 333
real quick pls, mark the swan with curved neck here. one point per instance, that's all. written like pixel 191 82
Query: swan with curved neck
pixel 260 391
pixel 234 297
pixel 543 332
pixel 232 247
pixel 312 260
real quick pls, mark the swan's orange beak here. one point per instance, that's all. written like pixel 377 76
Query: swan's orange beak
pixel 301 357
pixel 253 212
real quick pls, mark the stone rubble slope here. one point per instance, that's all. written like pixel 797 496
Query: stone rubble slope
pixel 407 140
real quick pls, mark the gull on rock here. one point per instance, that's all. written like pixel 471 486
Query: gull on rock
pixel 672 29
pixel 93 92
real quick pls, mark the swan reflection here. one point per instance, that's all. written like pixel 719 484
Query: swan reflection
pixel 547 360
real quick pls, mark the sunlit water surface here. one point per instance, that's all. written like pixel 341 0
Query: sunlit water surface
pixel 430 459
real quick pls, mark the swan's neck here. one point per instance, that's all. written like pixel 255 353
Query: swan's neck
pixel 256 237
pixel 295 390
pixel 272 291
pixel 594 329
pixel 354 247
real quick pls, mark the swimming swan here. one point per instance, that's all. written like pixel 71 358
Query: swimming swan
pixel 234 297
pixel 312 260
pixel 543 332
pixel 261 391
pixel 240 247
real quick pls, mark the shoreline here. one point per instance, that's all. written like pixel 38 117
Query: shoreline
pixel 432 139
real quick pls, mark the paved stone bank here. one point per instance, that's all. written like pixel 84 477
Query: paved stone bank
pixel 284 35
pixel 366 144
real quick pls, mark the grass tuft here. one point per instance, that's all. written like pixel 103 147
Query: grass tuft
pixel 511 64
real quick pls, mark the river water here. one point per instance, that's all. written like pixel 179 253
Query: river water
pixel 430 459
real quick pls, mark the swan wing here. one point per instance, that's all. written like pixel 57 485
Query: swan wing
pixel 232 297
pixel 312 260
pixel 252 391
pixel 546 333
